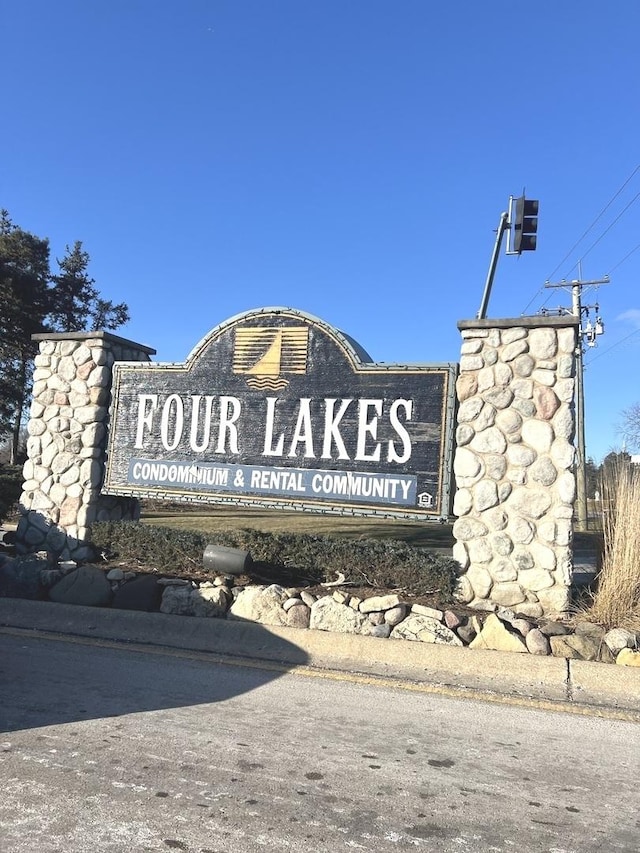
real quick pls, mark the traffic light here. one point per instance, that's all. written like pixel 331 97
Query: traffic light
pixel 525 224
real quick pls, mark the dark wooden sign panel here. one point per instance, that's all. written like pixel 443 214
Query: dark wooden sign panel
pixel 276 408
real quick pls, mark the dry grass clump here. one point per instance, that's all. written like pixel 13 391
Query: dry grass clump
pixel 616 601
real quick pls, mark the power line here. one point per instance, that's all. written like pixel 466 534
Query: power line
pixel 606 231
pixel 595 221
pixel 613 346
pixel 628 255
pixel 577 243
pixel 533 299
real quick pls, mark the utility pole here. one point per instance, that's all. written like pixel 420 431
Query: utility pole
pixel 589 334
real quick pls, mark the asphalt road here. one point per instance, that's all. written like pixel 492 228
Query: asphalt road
pixel 105 748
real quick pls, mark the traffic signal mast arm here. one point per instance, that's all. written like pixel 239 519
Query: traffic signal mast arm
pixel 502 227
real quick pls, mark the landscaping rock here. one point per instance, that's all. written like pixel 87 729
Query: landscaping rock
pixel 379 602
pixel 619 638
pixel 576 647
pixel 590 629
pixel 522 626
pixel 210 601
pixel 432 612
pixel 115 575
pixel 425 629
pixel 452 620
pixel 394 616
pixel 142 593
pixel 261 604
pixel 495 635
pixel 298 616
pixel 605 655
pixel 50 577
pixel 87 585
pixel 308 598
pixel 537 643
pixel 554 629
pixel 328 615
pixel 20 577
pixel 177 600
pixel 382 631
pixel 628 657
pixel 466 631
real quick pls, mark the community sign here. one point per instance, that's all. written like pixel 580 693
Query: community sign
pixel 276 408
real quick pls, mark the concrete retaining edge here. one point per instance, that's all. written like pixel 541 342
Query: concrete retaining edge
pixel 506 674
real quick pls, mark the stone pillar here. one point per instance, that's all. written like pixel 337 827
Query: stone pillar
pixel 67 440
pixel 514 463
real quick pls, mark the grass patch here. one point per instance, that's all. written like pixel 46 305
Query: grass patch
pixel 419 534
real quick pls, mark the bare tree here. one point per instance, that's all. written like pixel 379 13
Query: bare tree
pixel 630 427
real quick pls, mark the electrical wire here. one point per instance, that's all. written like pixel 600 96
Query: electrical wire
pixel 533 299
pixel 577 243
pixel 606 231
pixel 595 221
pixel 613 346
pixel 628 255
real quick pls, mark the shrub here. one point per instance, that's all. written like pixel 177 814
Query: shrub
pixel 10 488
pixel 616 600
pixel 157 547
pixel 291 558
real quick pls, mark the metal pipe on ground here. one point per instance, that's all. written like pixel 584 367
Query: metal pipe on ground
pixel 226 561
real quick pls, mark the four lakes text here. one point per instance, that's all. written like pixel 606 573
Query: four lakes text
pixel 327 428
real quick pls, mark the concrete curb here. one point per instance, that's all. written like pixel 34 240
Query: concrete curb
pixel 506 674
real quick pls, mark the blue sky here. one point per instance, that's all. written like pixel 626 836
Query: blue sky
pixel 349 158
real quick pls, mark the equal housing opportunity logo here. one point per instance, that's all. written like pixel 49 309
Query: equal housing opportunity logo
pixel 277 408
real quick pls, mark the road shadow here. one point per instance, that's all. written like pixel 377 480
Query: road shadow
pixel 60 663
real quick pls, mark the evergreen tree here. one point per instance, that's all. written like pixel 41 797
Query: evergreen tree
pixel 24 303
pixel 593 477
pixel 33 301
pixel 76 304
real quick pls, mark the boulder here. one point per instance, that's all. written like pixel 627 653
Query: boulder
pixel 210 601
pixel 328 615
pixel 628 657
pixel 261 604
pixel 495 635
pixel 20 577
pixel 425 629
pixel 619 638
pixel 87 585
pixel 141 593
pixel 537 643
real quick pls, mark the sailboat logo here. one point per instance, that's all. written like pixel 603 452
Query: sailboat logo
pixel 265 353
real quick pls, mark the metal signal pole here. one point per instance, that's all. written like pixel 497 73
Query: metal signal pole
pixel 503 225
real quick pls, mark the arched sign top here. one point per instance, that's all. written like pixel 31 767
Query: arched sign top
pixel 281 317
pixel 275 407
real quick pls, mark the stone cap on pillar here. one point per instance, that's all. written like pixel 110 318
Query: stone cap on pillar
pixel 530 322
pixel 98 335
